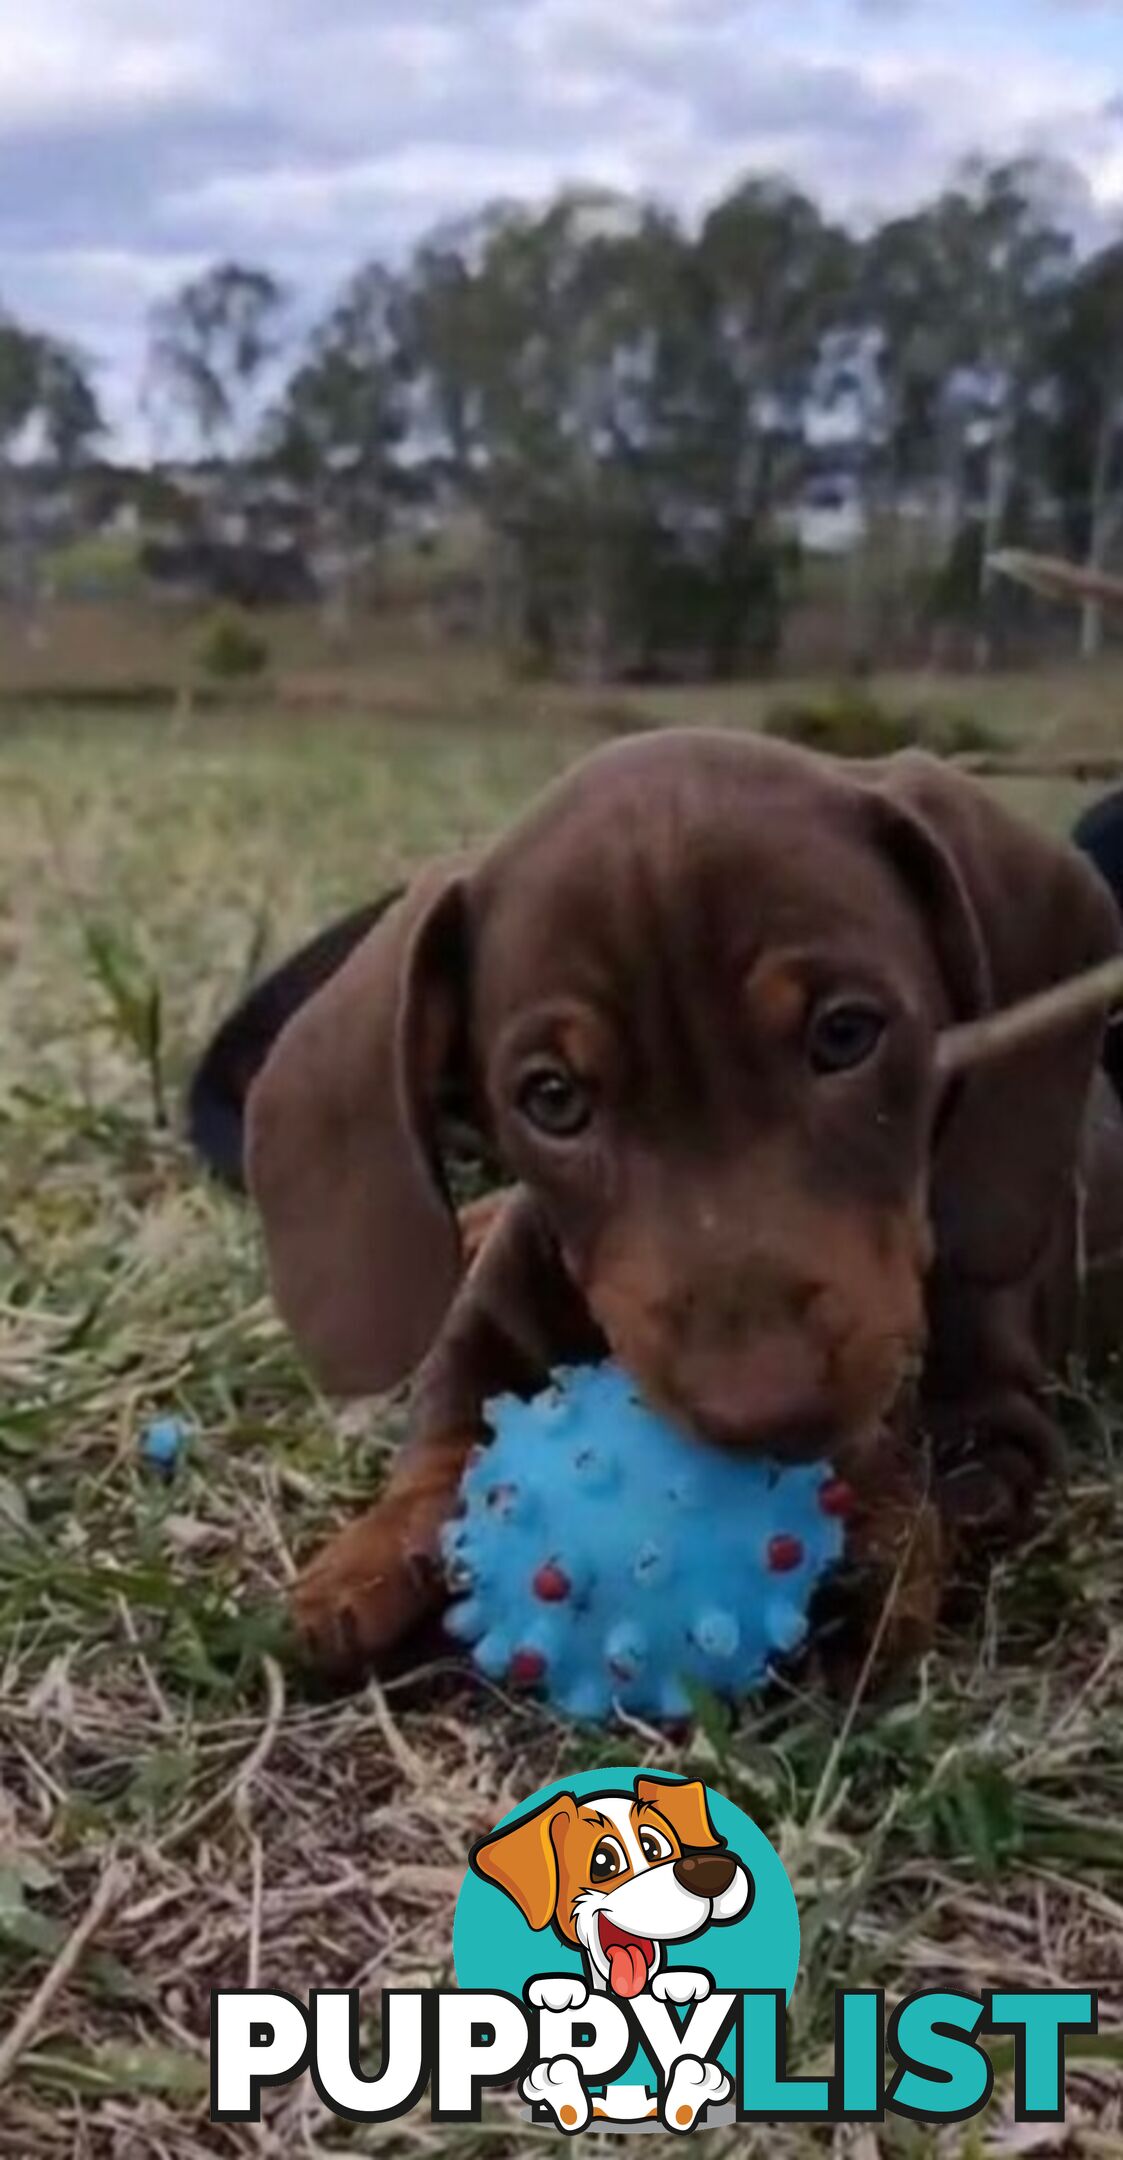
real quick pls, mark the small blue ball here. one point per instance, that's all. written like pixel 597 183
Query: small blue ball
pixel 610 1562
pixel 162 1442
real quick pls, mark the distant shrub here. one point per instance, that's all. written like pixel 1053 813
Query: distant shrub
pixel 961 733
pixel 850 721
pixel 231 648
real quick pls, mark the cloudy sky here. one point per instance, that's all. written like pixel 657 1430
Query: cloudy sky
pixel 141 138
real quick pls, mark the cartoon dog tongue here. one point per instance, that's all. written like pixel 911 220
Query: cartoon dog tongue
pixel 630 1958
pixel 627 1968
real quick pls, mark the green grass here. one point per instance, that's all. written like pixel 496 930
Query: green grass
pixel 969 1829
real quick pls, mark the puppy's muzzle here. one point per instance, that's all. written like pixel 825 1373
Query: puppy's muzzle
pixel 705 1874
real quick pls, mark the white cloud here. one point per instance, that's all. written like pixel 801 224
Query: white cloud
pixel 73 72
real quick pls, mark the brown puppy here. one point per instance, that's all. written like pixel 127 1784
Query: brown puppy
pixel 693 998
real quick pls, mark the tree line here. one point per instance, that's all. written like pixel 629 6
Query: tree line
pixel 630 407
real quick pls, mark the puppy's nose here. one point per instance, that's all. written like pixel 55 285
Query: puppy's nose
pixel 772 1399
pixel 707 1874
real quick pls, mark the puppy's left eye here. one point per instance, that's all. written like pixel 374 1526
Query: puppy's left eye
pixel 654 1846
pixel 844 1034
pixel 555 1101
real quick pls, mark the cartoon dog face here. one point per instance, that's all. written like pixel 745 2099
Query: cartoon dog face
pixel 620 1874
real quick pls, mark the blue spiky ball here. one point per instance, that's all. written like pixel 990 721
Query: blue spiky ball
pixel 607 1561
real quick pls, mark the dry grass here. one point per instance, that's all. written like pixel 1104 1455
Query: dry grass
pixel 151 1715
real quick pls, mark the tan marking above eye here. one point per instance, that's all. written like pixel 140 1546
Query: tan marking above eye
pixel 579 1041
pixel 777 997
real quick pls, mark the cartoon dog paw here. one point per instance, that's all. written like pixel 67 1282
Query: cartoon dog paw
pixel 557 1991
pixel 694 2085
pixel 676 1985
pixel 557 2085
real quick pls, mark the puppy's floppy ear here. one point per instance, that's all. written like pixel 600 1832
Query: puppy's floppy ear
pixel 221 1082
pixel 1011 912
pixel 684 1807
pixel 362 1242
pixel 523 1861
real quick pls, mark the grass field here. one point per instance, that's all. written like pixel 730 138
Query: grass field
pixel 158 1746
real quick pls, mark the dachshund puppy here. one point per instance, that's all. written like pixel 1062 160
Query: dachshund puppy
pixel 691 1003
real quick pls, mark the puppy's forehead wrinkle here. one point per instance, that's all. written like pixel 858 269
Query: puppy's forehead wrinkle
pixel 700 877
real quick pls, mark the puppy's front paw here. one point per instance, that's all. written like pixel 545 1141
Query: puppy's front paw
pixel 382 1576
pixel 557 1991
pixel 694 2085
pixel 557 2085
pixel 365 1591
pixel 677 1985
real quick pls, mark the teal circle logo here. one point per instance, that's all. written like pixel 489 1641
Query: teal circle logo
pixel 650 1852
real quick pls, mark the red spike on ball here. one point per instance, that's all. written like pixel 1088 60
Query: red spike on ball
pixel 785 1554
pixel 837 1500
pixel 527 1668
pixel 551 1584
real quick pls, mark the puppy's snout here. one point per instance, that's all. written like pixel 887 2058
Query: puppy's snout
pixel 773 1395
pixel 705 1874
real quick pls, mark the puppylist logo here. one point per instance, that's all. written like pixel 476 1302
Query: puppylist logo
pixel 626 1945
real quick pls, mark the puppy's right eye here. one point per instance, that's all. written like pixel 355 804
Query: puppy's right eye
pixel 608 1860
pixel 555 1101
pixel 844 1032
